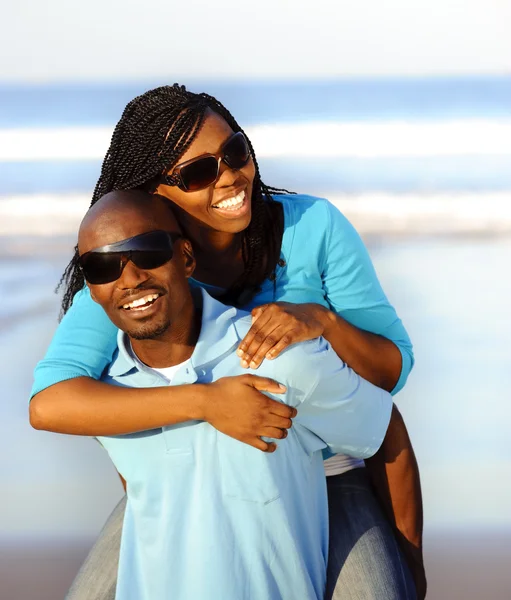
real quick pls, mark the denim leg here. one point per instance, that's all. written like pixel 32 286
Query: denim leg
pixel 97 577
pixel 364 562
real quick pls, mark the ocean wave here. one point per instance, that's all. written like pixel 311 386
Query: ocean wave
pixel 371 213
pixel 397 138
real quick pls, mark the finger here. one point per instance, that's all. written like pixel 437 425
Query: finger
pixel 274 432
pixel 289 338
pixel 265 384
pixel 267 336
pixel 255 356
pixel 274 344
pixel 252 332
pixel 282 410
pixel 264 446
pixel 277 421
pixel 258 311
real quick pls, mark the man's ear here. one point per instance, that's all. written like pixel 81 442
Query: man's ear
pixel 91 291
pixel 189 258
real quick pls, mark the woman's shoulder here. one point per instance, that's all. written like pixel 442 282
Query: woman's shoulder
pixel 302 211
pixel 312 215
pixel 300 203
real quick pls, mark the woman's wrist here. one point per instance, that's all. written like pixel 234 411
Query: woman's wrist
pixel 197 406
pixel 327 318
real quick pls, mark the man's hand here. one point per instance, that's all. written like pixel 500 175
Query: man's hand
pixel 237 407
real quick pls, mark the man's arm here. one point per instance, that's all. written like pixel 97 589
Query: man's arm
pixel 347 412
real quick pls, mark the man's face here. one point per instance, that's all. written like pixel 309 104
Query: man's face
pixel 141 302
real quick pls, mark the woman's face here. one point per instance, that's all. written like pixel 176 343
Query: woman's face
pixel 225 205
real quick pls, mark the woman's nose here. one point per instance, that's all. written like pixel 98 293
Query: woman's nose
pixel 228 175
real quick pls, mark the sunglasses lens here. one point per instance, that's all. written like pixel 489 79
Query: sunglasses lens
pixel 147 251
pixel 236 151
pixel 199 174
pixel 151 259
pixel 101 268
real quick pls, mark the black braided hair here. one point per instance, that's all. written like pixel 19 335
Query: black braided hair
pixel 154 131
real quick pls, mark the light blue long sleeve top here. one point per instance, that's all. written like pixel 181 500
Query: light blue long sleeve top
pixel 210 517
pixel 326 263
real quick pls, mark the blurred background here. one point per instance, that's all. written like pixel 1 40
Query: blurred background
pixel 399 112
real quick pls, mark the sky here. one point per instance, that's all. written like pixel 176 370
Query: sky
pixel 63 40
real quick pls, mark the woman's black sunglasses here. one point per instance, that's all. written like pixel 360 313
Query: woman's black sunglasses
pixel 200 172
pixel 147 251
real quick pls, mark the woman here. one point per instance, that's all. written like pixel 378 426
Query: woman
pixel 254 246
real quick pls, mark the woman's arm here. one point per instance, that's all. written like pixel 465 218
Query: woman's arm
pixel 372 356
pixel 362 326
pixel 82 346
pixel 233 405
pixel 68 398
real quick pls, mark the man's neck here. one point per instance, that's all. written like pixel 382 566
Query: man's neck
pixel 173 347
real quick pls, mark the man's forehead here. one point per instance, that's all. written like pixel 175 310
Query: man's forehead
pixel 114 221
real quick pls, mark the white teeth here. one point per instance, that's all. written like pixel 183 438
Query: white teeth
pixel 140 302
pixel 232 203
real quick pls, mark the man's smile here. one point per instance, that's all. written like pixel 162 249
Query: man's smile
pixel 146 304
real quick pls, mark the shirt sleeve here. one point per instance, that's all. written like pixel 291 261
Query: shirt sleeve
pixel 82 346
pixel 349 414
pixel 354 292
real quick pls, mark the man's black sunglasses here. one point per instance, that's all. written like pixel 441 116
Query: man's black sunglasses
pixel 201 171
pixel 147 251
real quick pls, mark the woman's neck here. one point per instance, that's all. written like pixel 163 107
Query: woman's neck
pixel 218 243
pixel 218 255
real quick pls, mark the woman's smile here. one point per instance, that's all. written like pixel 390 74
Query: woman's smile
pixel 233 206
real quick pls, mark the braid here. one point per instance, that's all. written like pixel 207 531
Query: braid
pixel 154 131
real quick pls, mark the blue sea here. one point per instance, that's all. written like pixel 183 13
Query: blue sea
pixel 351 136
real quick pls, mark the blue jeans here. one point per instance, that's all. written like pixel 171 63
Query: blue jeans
pixel 97 577
pixel 364 562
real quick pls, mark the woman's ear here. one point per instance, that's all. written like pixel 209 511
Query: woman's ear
pixel 189 258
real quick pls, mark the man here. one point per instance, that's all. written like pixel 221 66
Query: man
pixel 208 516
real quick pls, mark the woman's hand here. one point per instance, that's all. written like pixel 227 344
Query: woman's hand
pixel 278 325
pixel 235 406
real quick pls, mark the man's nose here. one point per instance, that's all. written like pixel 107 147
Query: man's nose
pixel 131 276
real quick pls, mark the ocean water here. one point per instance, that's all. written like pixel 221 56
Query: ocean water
pixel 277 101
pixel 396 135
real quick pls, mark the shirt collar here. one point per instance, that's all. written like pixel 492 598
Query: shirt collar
pixel 217 336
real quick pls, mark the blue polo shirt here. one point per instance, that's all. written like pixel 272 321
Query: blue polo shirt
pixel 210 517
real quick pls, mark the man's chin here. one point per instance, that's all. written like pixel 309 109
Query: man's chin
pixel 149 331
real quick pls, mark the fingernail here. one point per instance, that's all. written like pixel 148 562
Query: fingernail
pixel 244 364
pixel 239 352
pixel 282 387
pixel 269 355
pixel 253 365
